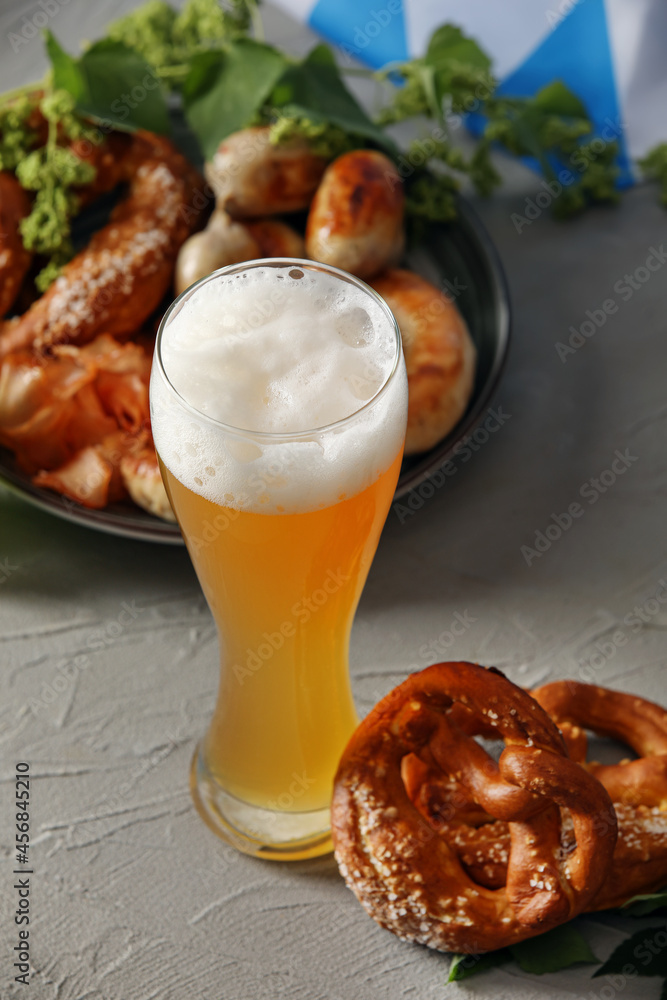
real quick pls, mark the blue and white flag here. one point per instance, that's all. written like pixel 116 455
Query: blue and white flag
pixel 611 53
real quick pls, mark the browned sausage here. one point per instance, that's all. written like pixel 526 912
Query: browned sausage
pixel 227 241
pixel 356 218
pixel 439 356
pixel 276 239
pixel 251 176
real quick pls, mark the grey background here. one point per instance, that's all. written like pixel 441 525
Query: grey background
pixel 133 897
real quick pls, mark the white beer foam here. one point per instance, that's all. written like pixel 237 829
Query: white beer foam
pixel 278 350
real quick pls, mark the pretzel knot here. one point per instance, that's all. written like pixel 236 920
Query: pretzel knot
pixel 409 877
pixel 639 723
pixel 638 788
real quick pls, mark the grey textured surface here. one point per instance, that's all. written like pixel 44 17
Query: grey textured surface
pixel 133 898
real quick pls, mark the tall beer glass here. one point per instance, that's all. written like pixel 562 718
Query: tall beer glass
pixel 279 403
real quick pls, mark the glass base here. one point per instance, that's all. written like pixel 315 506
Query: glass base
pixel 264 833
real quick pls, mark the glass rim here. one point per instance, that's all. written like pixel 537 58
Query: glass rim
pixel 279 436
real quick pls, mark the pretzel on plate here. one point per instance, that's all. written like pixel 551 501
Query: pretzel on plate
pixel 408 877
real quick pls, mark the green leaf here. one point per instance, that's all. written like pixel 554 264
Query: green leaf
pixel 645 951
pixel 224 91
pixel 557 99
pixel 555 950
pixel 528 126
pixel 111 82
pixel 67 73
pixel 640 906
pixel 460 71
pixel 314 89
pixel 427 77
pixel 464 966
pixel 654 166
pixel 123 88
pixel 449 43
pixel 148 30
pixel 550 952
pixel 205 67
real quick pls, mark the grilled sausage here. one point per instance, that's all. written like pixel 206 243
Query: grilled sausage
pixel 356 218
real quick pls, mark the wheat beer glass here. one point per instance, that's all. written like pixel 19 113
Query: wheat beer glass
pixel 278 403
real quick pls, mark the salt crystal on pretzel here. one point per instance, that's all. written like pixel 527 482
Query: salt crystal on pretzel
pixel 638 790
pixel 639 723
pixel 408 877
pixel 117 281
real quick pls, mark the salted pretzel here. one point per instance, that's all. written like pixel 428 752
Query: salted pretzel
pixel 637 788
pixel 639 723
pixel 14 258
pixel 408 877
pixel 116 281
pixel 73 391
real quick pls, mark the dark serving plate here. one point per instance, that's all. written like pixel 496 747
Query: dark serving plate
pixel 459 258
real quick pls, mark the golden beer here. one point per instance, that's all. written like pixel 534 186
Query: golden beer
pixel 285 708
pixel 282 569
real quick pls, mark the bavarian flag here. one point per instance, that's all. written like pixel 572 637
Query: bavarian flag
pixel 611 53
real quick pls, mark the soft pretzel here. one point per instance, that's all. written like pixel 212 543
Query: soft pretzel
pixel 639 723
pixel 73 396
pixel 14 258
pixel 117 281
pixel 408 877
pixel 637 788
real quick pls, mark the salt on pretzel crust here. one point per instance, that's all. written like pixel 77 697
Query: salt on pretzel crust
pixel 638 790
pixel 639 723
pixel 121 276
pixel 410 879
